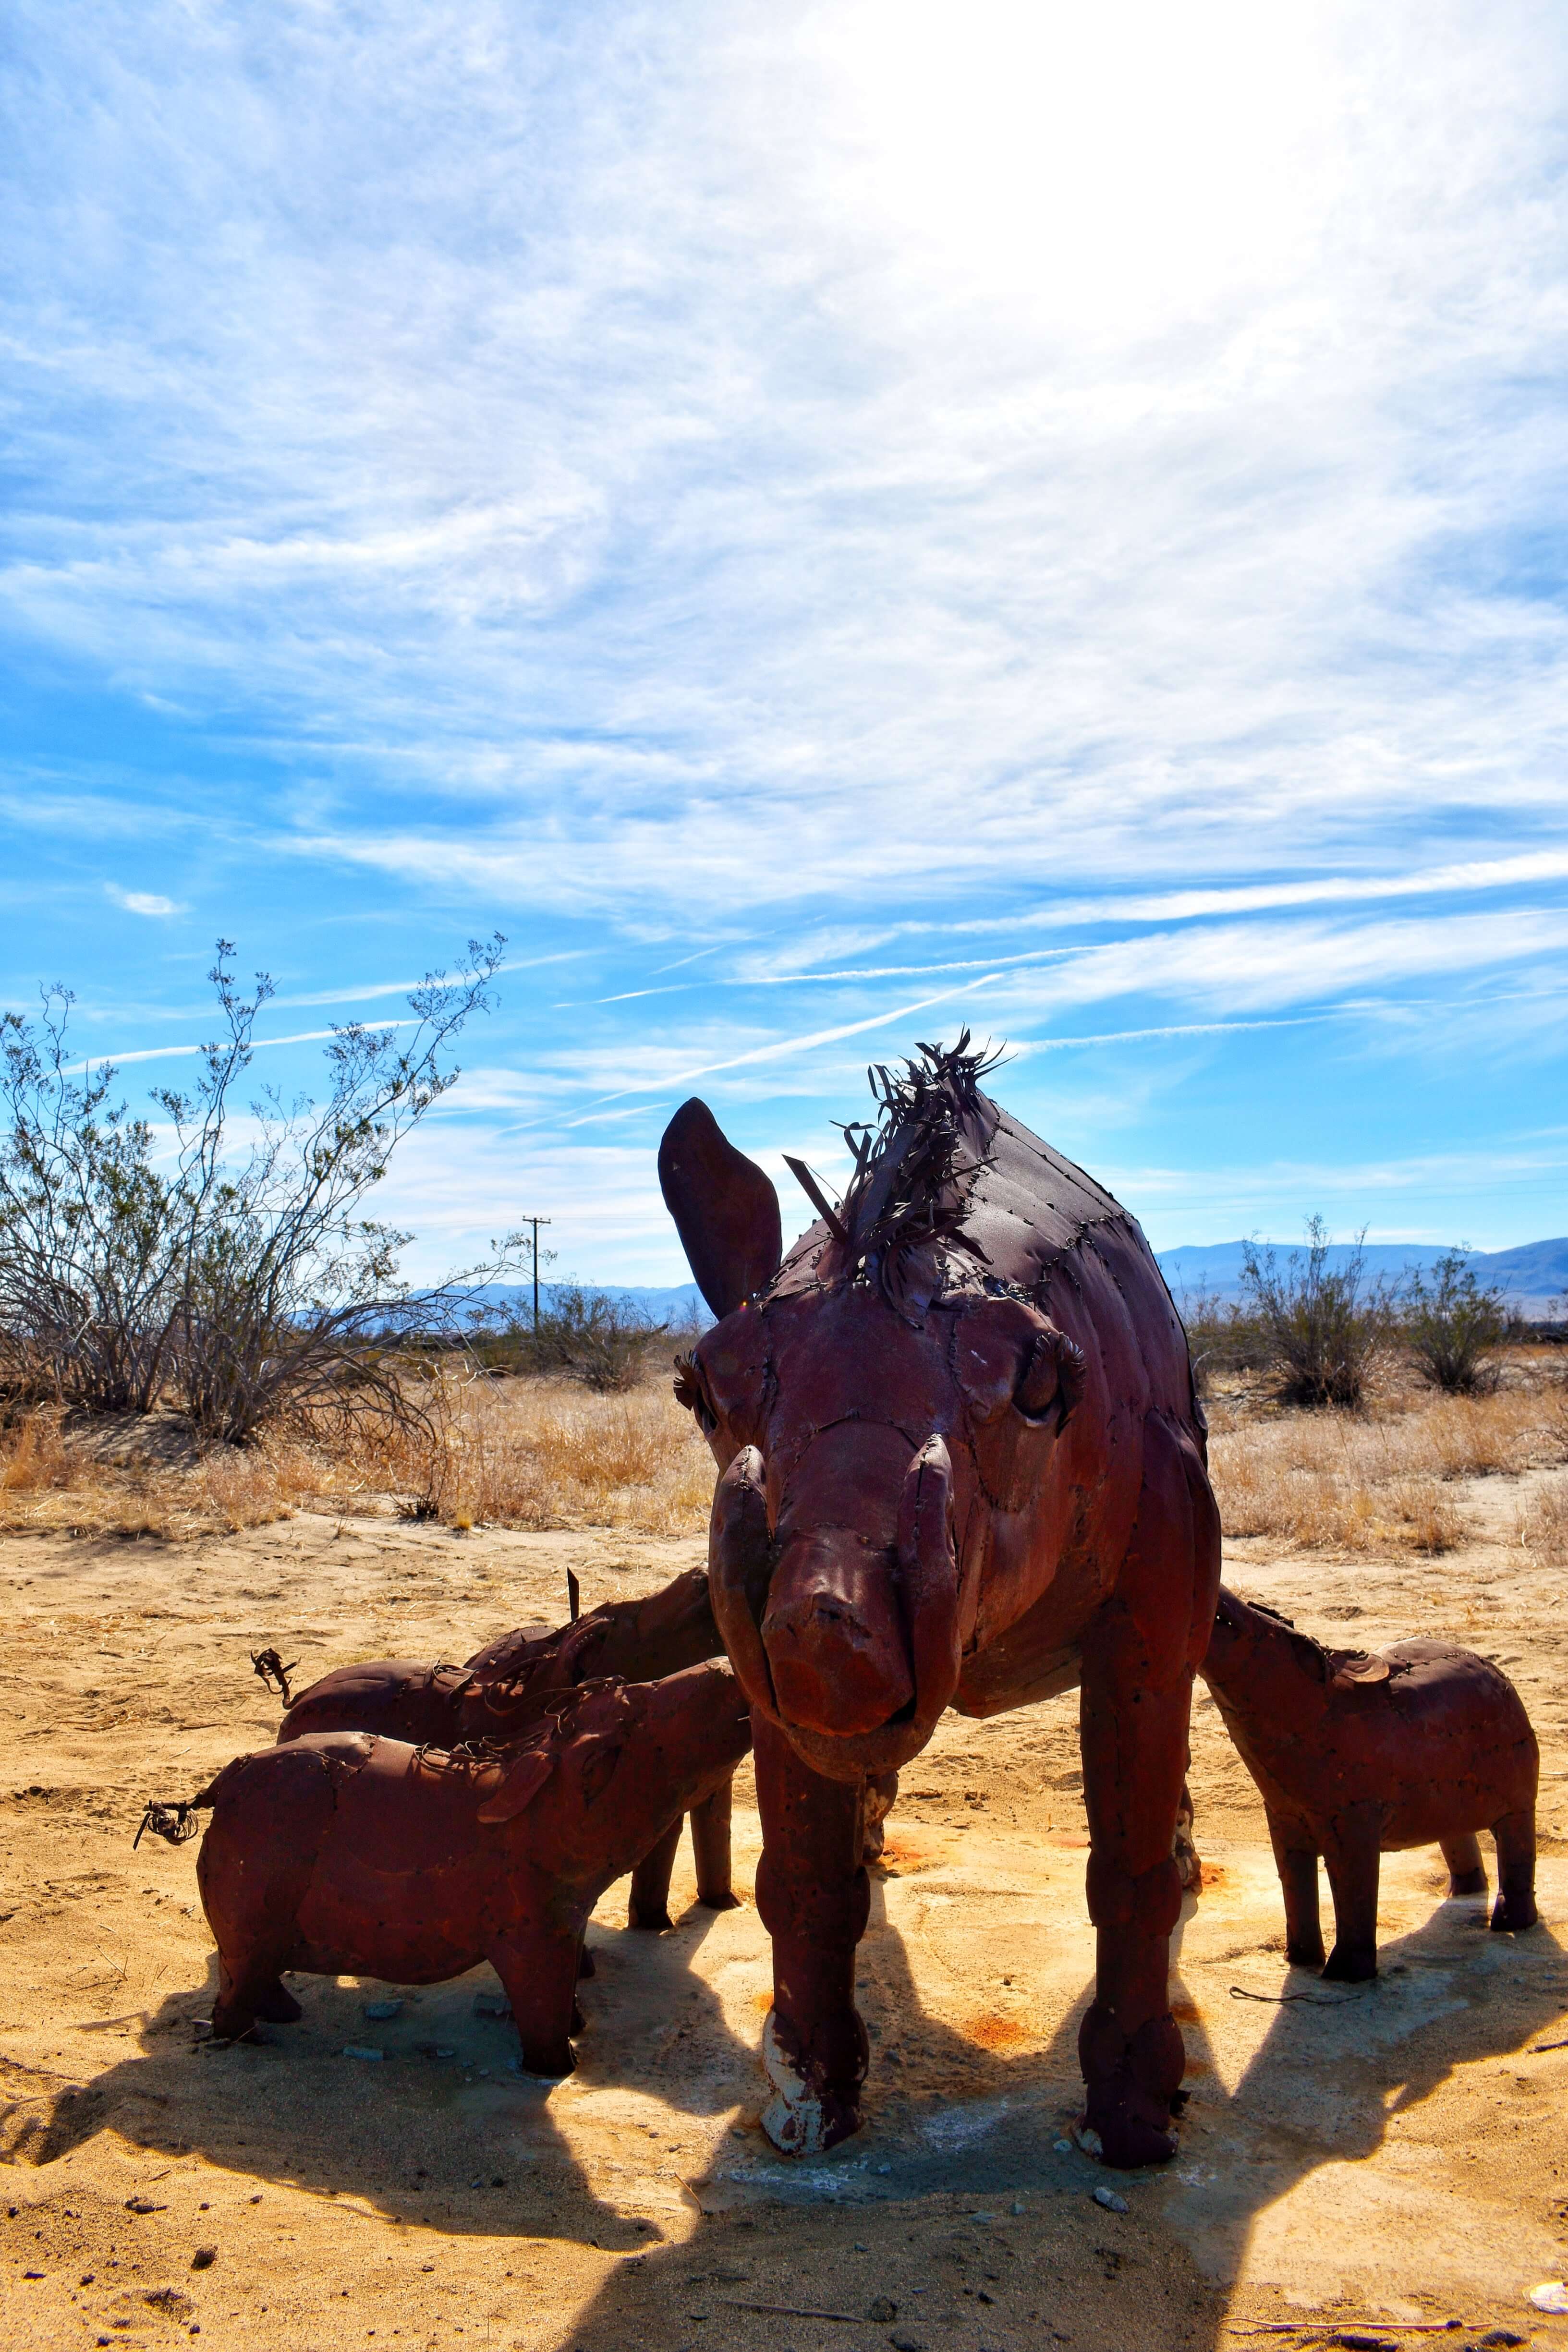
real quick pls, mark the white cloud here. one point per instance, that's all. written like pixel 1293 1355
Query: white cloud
pixel 142 902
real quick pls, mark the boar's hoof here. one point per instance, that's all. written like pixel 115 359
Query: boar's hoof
pixel 1468 1882
pixel 721 1900
pixel 647 1920
pixel 1305 1956
pixel 1351 1964
pixel 550 2059
pixel 804 2116
pixel 1511 1913
pixel 1132 2083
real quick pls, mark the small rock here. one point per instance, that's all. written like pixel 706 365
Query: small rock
pixel 883 2167
pixel 203 2258
pixel 362 2050
pixel 1550 2296
pixel 903 2342
pixel 143 2205
pixel 1356 2339
pixel 1500 2339
pixel 1062 2147
pixel 1089 2139
pixel 491 2004
pixel 882 2308
pixel 1111 2200
pixel 1015 2208
pixel 378 2011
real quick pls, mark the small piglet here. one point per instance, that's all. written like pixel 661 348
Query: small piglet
pixel 349 1854
pixel 1357 1755
pixel 508 1685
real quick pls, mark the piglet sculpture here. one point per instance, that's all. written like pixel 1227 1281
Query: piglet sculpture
pixel 1357 1755
pixel 348 1853
pixel 506 1687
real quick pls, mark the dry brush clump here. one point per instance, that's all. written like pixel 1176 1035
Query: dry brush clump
pixel 116 1478
pixel 1381 1479
pixel 1544 1522
pixel 539 1454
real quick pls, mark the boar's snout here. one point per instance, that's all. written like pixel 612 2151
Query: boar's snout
pixel 834 1639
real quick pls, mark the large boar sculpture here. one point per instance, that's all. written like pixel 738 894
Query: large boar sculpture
pixel 962 1465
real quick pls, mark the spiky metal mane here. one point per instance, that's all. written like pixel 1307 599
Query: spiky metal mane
pixel 914 1167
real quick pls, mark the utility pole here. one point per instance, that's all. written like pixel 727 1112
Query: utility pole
pixel 536 1222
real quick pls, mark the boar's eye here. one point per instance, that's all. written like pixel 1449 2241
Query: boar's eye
pixel 1052 1378
pixel 690 1392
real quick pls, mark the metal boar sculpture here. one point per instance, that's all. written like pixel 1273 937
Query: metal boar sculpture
pixel 1359 1755
pixel 348 1853
pixel 961 1464
pixel 506 1687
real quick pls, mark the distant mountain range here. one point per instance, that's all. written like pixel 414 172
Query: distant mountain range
pixel 1531 1276
pixel 1534 1276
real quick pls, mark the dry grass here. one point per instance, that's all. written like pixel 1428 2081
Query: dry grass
pixel 1381 1479
pixel 549 1454
pixel 519 1454
pixel 66 1482
pixel 1544 1522
pixel 541 1454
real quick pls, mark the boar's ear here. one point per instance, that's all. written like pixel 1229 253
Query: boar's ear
pixel 522 1782
pixel 725 1209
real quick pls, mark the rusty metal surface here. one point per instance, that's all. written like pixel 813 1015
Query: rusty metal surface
pixel 508 1685
pixel 347 1852
pixel 1357 1755
pixel 961 1463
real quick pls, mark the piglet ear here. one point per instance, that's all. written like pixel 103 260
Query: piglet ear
pixel 725 1209
pixel 521 1783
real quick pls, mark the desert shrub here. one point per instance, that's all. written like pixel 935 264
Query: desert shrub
pixel 1322 1325
pixel 242 1284
pixel 1222 1338
pixel 1452 1325
pixel 582 1335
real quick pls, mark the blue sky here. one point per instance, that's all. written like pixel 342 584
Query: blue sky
pixel 823 524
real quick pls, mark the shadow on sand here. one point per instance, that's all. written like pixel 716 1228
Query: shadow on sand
pixel 960 2204
pixel 440 2129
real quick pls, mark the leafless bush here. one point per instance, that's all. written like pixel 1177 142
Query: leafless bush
pixel 1322 1326
pixel 607 1343
pixel 244 1286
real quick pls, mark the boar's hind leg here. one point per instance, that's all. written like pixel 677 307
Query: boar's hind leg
pixel 814 1897
pixel 1136 1695
pixel 1515 1906
pixel 648 1907
pixel 1466 1871
pixel 539 1974
pixel 255 1866
pixel 710 1847
pixel 1352 1859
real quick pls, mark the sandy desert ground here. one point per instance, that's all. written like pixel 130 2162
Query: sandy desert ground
pixel 1383 2164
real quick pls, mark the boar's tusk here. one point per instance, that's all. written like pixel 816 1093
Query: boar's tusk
pixel 928 1578
pixel 739 1565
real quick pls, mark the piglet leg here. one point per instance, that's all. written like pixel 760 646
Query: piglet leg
pixel 711 1849
pixel 1466 1871
pixel 1352 1859
pixel 1515 1906
pixel 649 1905
pixel 814 1897
pixel 539 1974
pixel 1297 1866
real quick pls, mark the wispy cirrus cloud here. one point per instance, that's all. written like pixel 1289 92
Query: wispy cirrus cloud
pixel 818 522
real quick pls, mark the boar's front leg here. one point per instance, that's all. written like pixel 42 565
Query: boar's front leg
pixel 814 1897
pixel 537 1970
pixel 1137 1662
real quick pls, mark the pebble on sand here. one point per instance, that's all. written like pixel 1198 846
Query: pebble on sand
pixel 1110 2199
